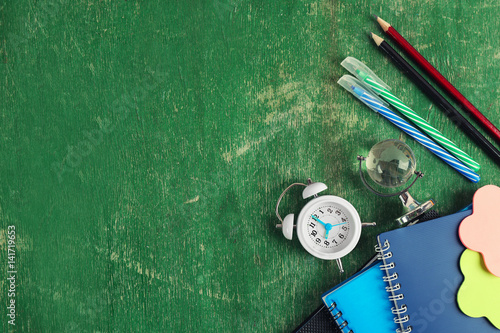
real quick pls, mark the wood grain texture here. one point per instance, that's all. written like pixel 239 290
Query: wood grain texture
pixel 144 146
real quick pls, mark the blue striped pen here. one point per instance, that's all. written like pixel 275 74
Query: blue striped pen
pixel 377 106
pixel 420 122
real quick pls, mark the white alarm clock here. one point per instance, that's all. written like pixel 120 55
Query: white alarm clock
pixel 328 227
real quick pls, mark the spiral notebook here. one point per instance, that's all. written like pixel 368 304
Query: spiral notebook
pixel 360 304
pixel 421 265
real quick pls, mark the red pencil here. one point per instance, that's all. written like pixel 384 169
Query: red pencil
pixel 440 79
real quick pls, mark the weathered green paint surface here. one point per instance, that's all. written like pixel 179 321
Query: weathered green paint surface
pixel 144 145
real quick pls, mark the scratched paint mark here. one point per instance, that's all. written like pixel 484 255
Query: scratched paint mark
pixel 195 199
pixel 424 46
pixel 57 296
pixel 139 269
pixel 275 97
pixel 242 150
pixel 151 273
pixel 300 109
pixel 312 9
pixel 239 151
pixel 219 296
pixel 22 244
pixel 132 264
pixel 2 238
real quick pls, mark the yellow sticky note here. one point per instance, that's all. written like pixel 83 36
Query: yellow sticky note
pixel 479 294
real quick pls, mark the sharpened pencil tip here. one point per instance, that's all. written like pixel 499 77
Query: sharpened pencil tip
pixel 383 24
pixel 376 17
pixel 378 40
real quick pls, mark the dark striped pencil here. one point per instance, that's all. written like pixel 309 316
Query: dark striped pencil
pixel 440 79
pixel 437 98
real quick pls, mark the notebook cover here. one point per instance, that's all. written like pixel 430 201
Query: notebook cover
pixel 426 258
pixel 363 302
pixel 320 321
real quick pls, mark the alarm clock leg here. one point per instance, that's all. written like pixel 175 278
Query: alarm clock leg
pixel 339 263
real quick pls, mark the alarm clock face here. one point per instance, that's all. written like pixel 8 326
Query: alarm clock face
pixel 328 227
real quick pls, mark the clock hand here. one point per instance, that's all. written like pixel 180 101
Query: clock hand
pixel 315 218
pixel 327 226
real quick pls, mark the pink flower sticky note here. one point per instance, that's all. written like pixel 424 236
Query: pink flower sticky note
pixel 480 231
pixel 478 296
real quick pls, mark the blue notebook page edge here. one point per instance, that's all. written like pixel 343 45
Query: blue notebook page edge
pixel 363 302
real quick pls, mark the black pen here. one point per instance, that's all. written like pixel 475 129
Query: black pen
pixel 437 98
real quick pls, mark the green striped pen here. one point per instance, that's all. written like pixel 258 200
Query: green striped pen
pixel 383 92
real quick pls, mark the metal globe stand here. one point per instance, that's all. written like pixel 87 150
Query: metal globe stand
pixel 414 208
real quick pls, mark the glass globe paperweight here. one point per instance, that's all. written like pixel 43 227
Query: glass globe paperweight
pixel 391 163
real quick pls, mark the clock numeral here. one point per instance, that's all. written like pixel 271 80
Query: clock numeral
pixel 344 228
pixel 329 210
pixel 338 212
pixel 341 236
pixel 344 219
pixel 334 241
pixel 322 212
pixel 312 225
pixel 318 240
pixel 314 232
pixel 327 243
pixel 315 215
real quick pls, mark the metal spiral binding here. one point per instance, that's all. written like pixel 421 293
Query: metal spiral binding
pixel 400 310
pixel 390 277
pixel 393 288
pixel 338 315
pixel 385 256
pixel 397 297
pixel 387 267
pixel 383 248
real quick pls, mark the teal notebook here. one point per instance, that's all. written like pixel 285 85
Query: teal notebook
pixel 361 304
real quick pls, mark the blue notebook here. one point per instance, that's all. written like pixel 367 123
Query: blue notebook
pixel 423 272
pixel 360 304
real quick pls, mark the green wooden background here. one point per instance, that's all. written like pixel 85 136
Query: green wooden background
pixel 144 145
